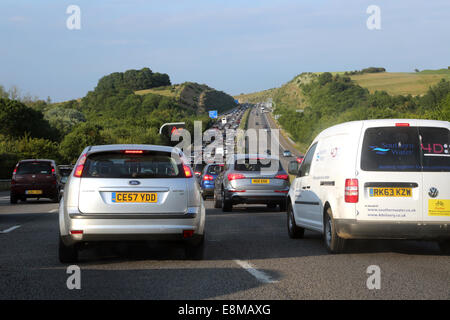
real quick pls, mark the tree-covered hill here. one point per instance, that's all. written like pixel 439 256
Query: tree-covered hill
pixel 111 113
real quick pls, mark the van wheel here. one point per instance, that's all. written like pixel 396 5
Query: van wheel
pixel 444 245
pixel 67 254
pixel 13 199
pixel 294 231
pixel 333 242
pixel 226 205
pixel 217 203
pixel 195 250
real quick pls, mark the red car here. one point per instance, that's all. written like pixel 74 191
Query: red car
pixel 35 178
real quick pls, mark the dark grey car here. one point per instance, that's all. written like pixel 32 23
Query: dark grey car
pixel 251 179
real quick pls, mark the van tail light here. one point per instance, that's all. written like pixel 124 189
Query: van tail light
pixel 187 171
pixel 351 190
pixel 80 166
pixel 235 176
pixel 282 176
pixel 208 177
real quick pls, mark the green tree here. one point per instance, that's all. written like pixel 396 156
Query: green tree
pixel 85 134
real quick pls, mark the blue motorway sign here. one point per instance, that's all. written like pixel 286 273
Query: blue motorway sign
pixel 213 114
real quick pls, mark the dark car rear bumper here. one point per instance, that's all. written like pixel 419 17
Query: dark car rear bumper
pixel 48 191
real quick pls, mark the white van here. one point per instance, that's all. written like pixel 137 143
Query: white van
pixel 374 179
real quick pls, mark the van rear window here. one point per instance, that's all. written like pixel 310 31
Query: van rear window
pixel 435 145
pixel 118 164
pixel 406 149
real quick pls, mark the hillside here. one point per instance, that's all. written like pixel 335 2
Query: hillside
pixel 394 83
pixel 193 96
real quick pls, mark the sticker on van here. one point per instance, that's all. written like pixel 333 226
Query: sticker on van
pixel 438 207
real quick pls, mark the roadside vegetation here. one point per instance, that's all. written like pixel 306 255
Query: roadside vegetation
pixel 331 99
pixel 111 113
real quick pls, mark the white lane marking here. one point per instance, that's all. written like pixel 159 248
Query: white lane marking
pixel 261 276
pixel 10 229
pixel 53 210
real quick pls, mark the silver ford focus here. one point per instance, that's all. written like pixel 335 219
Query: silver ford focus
pixel 131 192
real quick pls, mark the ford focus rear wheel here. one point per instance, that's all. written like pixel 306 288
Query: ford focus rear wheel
pixel 195 250
pixel 67 254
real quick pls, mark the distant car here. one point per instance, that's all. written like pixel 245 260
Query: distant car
pixel 64 171
pixel 251 179
pixel 198 168
pixel 287 153
pixel 131 193
pixel 208 177
pixel 35 178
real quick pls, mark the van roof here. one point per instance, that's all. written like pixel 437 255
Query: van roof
pixel 356 125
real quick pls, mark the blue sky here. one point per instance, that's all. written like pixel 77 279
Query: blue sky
pixel 234 46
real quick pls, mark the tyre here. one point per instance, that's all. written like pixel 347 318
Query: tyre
pixel 333 242
pixel 217 202
pixel 444 245
pixel 56 198
pixel 283 206
pixel 195 250
pixel 226 205
pixel 67 254
pixel 13 199
pixel 294 231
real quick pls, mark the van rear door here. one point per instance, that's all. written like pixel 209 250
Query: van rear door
pixel 389 174
pixel 435 144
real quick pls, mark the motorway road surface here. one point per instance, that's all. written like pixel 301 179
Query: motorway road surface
pixel 248 256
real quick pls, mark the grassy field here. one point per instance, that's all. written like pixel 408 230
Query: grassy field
pixel 401 83
pixel 255 97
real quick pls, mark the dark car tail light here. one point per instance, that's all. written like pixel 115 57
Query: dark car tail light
pixel 351 190
pixel 282 176
pixel 235 176
pixel 80 166
pixel 208 177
